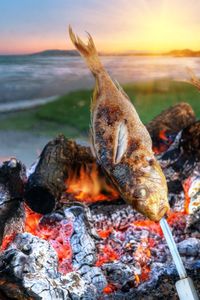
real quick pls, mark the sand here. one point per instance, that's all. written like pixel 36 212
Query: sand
pixel 25 146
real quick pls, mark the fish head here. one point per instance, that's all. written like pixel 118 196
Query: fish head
pixel 150 195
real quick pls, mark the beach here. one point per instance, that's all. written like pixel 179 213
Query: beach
pixel 24 78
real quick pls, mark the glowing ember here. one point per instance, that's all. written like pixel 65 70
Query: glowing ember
pixel 142 255
pixel 31 220
pixel 150 225
pixel 6 241
pixel 106 254
pixel 191 188
pixel 165 140
pixel 110 288
pixel 55 230
pixel 58 232
pixel 104 233
pixel 88 186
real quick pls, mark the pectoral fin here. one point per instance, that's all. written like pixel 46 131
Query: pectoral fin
pixel 121 142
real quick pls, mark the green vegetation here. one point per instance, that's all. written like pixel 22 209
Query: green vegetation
pixel 70 113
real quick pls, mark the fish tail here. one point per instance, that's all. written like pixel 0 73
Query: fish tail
pixel 88 51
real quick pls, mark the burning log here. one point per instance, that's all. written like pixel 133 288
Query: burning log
pixel 46 184
pixel 190 141
pixel 182 159
pixel 12 177
pixel 168 123
pixel 193 224
pixel 65 166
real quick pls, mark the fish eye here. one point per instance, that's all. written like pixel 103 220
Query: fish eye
pixel 141 193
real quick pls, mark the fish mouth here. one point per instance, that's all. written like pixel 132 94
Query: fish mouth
pixel 159 214
pixel 163 211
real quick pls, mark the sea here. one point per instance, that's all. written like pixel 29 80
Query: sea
pixel 28 78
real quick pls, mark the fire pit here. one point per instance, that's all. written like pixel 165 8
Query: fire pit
pixel 66 234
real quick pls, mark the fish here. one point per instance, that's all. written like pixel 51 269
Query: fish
pixel 193 78
pixel 121 142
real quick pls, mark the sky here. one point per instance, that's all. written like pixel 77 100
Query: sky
pixel 28 26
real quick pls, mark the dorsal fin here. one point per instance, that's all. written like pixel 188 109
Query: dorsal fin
pixel 193 78
pixel 119 87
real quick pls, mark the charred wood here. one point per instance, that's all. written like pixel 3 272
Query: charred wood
pixel 193 223
pixel 182 159
pixel 12 178
pixel 171 121
pixel 28 270
pixel 48 181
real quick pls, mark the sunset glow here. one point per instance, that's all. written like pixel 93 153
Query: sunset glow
pixel 121 25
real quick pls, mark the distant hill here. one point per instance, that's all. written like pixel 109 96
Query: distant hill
pixel 56 52
pixel 184 53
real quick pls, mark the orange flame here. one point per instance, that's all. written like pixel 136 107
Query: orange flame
pixel 186 186
pixel 164 144
pixel 88 186
pixel 110 288
pixel 150 225
pixel 6 241
pixel 31 221
pixel 106 254
pixel 143 255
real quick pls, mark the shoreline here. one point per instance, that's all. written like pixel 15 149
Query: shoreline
pixel 26 104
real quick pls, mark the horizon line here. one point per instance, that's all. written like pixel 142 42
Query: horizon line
pixel 127 52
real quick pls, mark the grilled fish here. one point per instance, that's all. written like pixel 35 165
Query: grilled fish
pixel 121 142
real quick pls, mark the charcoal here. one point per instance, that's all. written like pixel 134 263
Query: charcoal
pixel 118 273
pixel 193 222
pixel 190 141
pixel 46 184
pixel 182 159
pixel 28 270
pixel 3 296
pixel 12 178
pixel 182 115
pixel 83 246
pixel 94 276
pixel 189 247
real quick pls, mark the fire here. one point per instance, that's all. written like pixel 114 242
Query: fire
pixel 104 233
pixel 150 225
pixel 54 230
pixel 143 256
pixel 32 220
pixel 191 187
pixel 6 241
pixel 88 185
pixel 107 254
pixel 164 141
pixel 110 288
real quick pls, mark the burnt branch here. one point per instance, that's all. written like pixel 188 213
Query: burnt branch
pixel 171 121
pixel 12 177
pixel 182 159
pixel 46 184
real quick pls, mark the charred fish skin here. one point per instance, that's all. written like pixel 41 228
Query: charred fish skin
pixel 121 142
